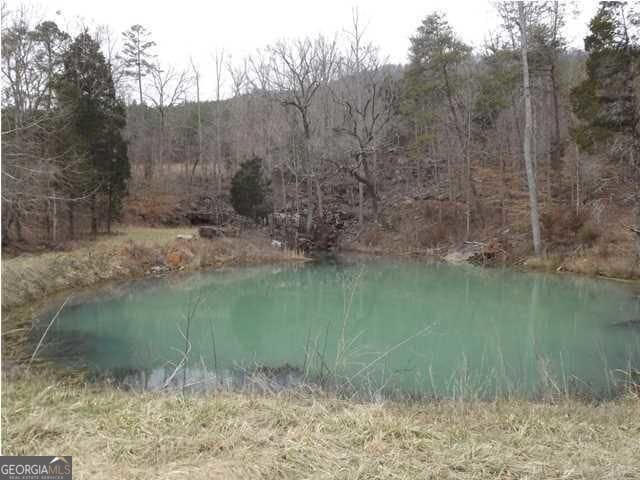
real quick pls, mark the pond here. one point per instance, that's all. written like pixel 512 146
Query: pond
pixel 376 328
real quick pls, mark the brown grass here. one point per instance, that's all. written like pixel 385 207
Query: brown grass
pixel 589 263
pixel 115 434
pixel 130 253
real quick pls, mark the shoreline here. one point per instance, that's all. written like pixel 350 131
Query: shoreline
pixel 31 282
pixel 124 256
pixel 297 432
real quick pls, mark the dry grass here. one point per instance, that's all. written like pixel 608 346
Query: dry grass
pixel 591 264
pixel 115 434
pixel 129 253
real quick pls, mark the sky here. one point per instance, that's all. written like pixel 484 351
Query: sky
pixel 195 29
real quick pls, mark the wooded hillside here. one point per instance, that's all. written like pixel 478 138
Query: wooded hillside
pixel 479 145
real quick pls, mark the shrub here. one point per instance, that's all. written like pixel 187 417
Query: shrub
pixel 561 226
pixel 587 234
pixel 250 190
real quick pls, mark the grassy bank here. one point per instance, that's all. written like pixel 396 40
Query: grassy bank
pixel 130 253
pixel 620 268
pixel 118 434
pixel 115 434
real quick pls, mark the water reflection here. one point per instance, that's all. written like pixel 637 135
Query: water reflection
pixel 375 327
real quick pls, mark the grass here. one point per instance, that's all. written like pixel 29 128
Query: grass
pixel 116 434
pixel 615 267
pixel 127 254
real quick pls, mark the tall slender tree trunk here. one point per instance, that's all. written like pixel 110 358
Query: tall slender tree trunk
pixel 109 210
pixel 54 221
pixel 217 168
pixel 94 215
pixel 199 117
pixel 284 189
pixel 310 204
pixel 71 220
pixel 556 145
pixel 360 203
pixel 139 65
pixel 320 200
pixel 528 135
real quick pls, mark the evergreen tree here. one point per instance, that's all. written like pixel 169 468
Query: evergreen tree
pixel 137 56
pixel 499 78
pixel 52 43
pixel 250 190
pixel 436 55
pixel 96 121
pixel 605 100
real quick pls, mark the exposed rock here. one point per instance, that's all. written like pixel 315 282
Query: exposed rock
pixel 158 270
pixel 476 253
pixel 457 257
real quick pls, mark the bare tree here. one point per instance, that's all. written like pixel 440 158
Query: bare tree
pixel 196 74
pixel 528 132
pixel 168 88
pixel 292 73
pixel 366 92
pixel 217 170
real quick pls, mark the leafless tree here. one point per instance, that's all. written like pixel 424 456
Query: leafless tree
pixel 196 75
pixel 167 89
pixel 366 92
pixel 292 73
pixel 219 58
pixel 528 132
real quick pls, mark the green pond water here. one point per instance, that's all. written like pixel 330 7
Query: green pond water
pixel 378 328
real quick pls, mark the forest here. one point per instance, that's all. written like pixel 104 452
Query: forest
pixel 311 261
pixel 524 145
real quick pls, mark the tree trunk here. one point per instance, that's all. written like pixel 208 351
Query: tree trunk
pixel 48 225
pixel 556 145
pixel 54 221
pixel 71 220
pixel 319 195
pixel 360 203
pixel 109 210
pixel 366 181
pixel 94 215
pixel 310 205
pixel 199 117
pixel 528 135
pixel 284 189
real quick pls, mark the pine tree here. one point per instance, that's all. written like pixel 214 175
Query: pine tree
pixel 606 101
pixel 137 56
pixel 96 121
pixel 250 190
pixel 433 74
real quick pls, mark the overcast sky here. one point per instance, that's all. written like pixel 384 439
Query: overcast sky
pixel 191 28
